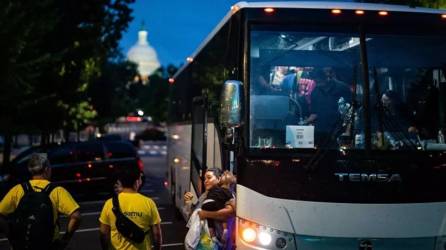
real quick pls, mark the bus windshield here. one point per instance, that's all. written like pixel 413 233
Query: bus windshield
pixel 307 89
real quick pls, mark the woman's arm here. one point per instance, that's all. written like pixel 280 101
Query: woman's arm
pixel 189 206
pixel 222 215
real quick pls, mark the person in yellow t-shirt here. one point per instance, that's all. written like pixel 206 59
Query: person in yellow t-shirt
pixel 138 208
pixel 62 201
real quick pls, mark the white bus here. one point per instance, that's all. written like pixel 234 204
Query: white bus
pixel 332 115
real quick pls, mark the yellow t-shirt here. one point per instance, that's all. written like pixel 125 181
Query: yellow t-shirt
pixel 63 202
pixel 138 208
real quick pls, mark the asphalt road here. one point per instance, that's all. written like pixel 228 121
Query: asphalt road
pixel 174 230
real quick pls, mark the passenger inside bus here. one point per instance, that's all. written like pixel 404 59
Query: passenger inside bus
pixel 289 102
pixel 406 115
pixel 300 94
pixel 261 81
pixel 394 124
pixel 325 99
pixel 269 106
pixel 423 101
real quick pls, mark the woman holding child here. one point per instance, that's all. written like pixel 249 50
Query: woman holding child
pixel 217 205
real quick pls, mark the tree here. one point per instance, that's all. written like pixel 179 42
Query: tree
pixel 50 52
pixel 110 93
pixel 91 30
pixel 22 58
pixel 152 97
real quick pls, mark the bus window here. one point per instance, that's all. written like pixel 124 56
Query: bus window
pixel 405 87
pixel 301 88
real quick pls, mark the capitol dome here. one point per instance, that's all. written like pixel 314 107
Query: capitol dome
pixel 144 56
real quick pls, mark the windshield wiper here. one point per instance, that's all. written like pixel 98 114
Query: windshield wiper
pixel 323 149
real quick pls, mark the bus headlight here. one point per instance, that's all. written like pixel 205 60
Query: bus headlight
pixel 249 234
pixel 262 237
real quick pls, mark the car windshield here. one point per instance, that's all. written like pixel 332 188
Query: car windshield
pixel 307 90
pixel 120 149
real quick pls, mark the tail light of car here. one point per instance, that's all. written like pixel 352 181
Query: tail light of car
pixel 141 165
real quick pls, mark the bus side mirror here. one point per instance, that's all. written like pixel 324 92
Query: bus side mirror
pixel 231 104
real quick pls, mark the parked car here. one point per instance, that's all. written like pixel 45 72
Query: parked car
pixel 81 167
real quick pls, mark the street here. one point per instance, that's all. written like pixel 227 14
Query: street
pixel 174 230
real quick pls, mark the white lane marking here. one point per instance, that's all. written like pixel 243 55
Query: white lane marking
pixel 92 213
pixel 172 245
pixel 77 231
pixel 84 214
pixel 91 202
pixel 97 228
pixel 102 201
pixel 97 213
pixel 86 230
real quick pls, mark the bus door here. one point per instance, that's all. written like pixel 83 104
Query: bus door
pixel 199 143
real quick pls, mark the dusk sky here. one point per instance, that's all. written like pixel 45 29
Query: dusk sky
pixel 175 27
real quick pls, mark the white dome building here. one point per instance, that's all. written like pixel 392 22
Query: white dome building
pixel 144 56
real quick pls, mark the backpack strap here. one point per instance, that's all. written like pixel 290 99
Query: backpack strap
pixel 49 188
pixel 117 210
pixel 27 187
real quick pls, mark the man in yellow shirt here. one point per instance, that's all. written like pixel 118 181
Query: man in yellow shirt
pixel 61 200
pixel 138 208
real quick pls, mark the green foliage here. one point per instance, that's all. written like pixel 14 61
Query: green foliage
pixel 152 98
pixel 23 56
pixel 109 93
pixel 83 113
pixel 116 93
pixel 50 52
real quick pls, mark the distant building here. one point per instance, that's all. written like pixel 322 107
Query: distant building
pixel 144 56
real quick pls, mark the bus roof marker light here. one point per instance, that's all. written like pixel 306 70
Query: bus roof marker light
pixel 359 12
pixel 336 11
pixel 234 8
pixel 383 13
pixel 269 10
pixel 443 16
pixel 189 59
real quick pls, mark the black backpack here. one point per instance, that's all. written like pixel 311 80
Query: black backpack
pixel 32 225
pixel 125 226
